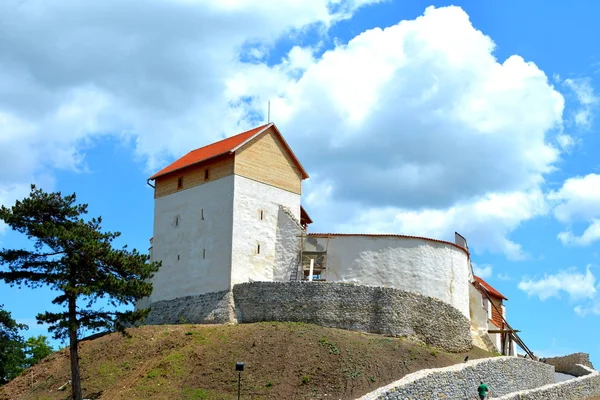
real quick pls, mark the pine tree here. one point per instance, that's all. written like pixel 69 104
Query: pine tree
pixel 75 258
pixel 12 355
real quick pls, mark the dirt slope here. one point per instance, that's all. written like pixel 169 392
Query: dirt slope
pixel 283 361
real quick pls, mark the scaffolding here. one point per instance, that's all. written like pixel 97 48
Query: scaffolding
pixel 509 334
pixel 307 259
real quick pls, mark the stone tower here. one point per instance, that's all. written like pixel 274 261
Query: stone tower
pixel 216 214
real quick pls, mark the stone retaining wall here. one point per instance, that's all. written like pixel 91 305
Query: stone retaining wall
pixel 573 389
pixel 571 364
pixel 502 375
pixel 210 308
pixel 338 305
pixel 355 307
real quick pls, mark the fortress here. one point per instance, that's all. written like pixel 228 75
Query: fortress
pixel 233 239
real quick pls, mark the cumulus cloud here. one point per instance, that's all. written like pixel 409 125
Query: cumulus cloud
pixel 416 128
pixel 420 129
pixel 483 271
pixel 156 70
pixel 576 285
pixel 578 200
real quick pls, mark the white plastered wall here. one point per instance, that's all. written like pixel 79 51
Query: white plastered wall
pixel 435 269
pixel 479 314
pixel 249 230
pixel 287 246
pixel 196 254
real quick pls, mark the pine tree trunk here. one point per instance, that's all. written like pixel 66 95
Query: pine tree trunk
pixel 75 379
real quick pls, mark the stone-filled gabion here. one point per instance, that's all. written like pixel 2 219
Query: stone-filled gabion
pixel 209 308
pixel 571 364
pixel 355 307
pixel 502 375
pixel 574 389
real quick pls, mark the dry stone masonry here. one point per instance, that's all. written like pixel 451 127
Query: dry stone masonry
pixel 571 364
pixel 502 375
pixel 574 389
pixel 209 308
pixel 355 307
pixel 338 305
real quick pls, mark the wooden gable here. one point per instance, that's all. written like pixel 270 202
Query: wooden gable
pixel 267 159
pixel 194 175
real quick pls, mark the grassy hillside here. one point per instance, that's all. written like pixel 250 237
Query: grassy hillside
pixel 283 361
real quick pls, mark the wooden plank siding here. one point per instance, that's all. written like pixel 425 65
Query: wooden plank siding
pixel 496 316
pixel 194 175
pixel 265 159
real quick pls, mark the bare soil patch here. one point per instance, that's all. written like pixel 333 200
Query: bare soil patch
pixel 282 361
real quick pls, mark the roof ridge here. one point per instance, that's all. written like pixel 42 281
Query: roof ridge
pixel 230 137
pixel 212 150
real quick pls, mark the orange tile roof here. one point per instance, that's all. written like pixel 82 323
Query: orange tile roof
pixel 212 150
pixel 390 235
pixel 489 288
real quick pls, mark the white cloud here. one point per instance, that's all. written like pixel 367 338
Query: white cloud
pixel 566 142
pixel 416 128
pixel 577 285
pixel 584 92
pixel 584 311
pixel 483 271
pixel 504 277
pixel 72 71
pixel 578 200
pixel 420 144
pixel 589 236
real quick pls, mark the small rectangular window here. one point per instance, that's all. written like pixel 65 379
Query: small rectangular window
pixel 177 220
pixel 202 214
pixel 262 215
pixel 203 253
pixel 206 174
pixel 258 249
pixel 180 183
pixel 177 257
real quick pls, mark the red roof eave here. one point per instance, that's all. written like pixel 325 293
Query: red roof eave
pixel 488 288
pixel 209 152
pixel 227 146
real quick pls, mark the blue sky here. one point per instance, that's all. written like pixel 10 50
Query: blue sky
pixel 422 118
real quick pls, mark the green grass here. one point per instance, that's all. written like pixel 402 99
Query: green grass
pixel 333 349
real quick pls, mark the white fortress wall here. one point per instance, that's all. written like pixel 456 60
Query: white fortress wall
pixel 429 267
pixel 287 246
pixel 479 315
pixel 250 232
pixel 196 254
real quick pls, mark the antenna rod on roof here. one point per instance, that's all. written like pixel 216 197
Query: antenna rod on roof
pixel 269 112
